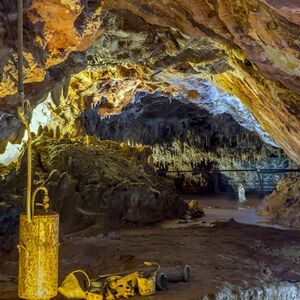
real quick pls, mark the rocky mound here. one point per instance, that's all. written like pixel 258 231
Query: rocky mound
pixel 93 181
pixel 283 205
pixel 104 178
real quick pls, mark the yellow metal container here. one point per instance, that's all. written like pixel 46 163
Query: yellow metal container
pixel 38 256
pixel 147 285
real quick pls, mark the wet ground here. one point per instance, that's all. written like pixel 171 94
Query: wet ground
pixel 224 208
pixel 227 259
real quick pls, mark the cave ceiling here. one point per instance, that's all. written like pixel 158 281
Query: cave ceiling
pixel 83 51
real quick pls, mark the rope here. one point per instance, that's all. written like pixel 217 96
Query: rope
pixel 82 272
pixel 21 108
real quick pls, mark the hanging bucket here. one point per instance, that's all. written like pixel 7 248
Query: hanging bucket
pixel 38 256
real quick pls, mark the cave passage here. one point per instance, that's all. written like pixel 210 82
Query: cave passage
pixel 150 149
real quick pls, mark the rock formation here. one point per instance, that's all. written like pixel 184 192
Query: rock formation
pixel 54 32
pixel 283 205
pixel 186 137
pixel 91 181
pixel 97 170
pixel 88 52
pixel 248 48
pixel 257 42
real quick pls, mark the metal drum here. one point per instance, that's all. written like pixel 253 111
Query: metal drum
pixel 38 256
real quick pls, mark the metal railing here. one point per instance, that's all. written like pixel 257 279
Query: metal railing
pixel 198 171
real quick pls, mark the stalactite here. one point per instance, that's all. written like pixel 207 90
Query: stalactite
pixel 66 84
pixel 182 144
pixel 19 136
pixel 56 93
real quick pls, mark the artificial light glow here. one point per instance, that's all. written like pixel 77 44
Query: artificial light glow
pixel 11 154
pixel 41 116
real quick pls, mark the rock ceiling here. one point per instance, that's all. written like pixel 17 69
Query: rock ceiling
pixel 249 48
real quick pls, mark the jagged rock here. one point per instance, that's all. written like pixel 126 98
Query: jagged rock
pixel 96 182
pixel 8 178
pixel 262 73
pixel 283 205
pixel 248 49
pixel 104 181
pixel 54 32
pixel 9 123
pixel 185 136
pixel 56 93
pixel 10 205
pixel 65 199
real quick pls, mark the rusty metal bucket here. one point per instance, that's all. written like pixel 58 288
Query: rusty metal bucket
pixel 38 256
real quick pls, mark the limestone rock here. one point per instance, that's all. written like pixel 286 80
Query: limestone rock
pixel 250 36
pixel 54 32
pixel 283 205
pixel 185 136
pixel 248 48
pixel 95 182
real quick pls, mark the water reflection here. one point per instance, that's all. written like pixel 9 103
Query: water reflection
pixel 222 209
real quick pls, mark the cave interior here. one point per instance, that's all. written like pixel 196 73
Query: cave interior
pixel 163 131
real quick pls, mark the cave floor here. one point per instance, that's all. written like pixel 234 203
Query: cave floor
pixel 229 254
pixel 224 208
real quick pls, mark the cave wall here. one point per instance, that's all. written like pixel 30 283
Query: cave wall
pixel 249 48
pixel 259 44
pixel 185 136
pixel 283 205
pixel 55 34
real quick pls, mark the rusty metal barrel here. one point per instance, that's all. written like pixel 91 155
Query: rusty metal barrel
pixel 38 256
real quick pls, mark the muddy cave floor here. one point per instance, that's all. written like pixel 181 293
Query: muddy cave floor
pixel 230 254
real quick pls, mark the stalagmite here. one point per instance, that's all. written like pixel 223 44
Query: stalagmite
pixel 40 130
pixel 57 132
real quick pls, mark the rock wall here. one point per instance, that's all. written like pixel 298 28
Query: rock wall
pixel 284 290
pixel 248 48
pixel 184 136
pixel 283 205
pixel 101 183
pixel 259 42
pixel 54 33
